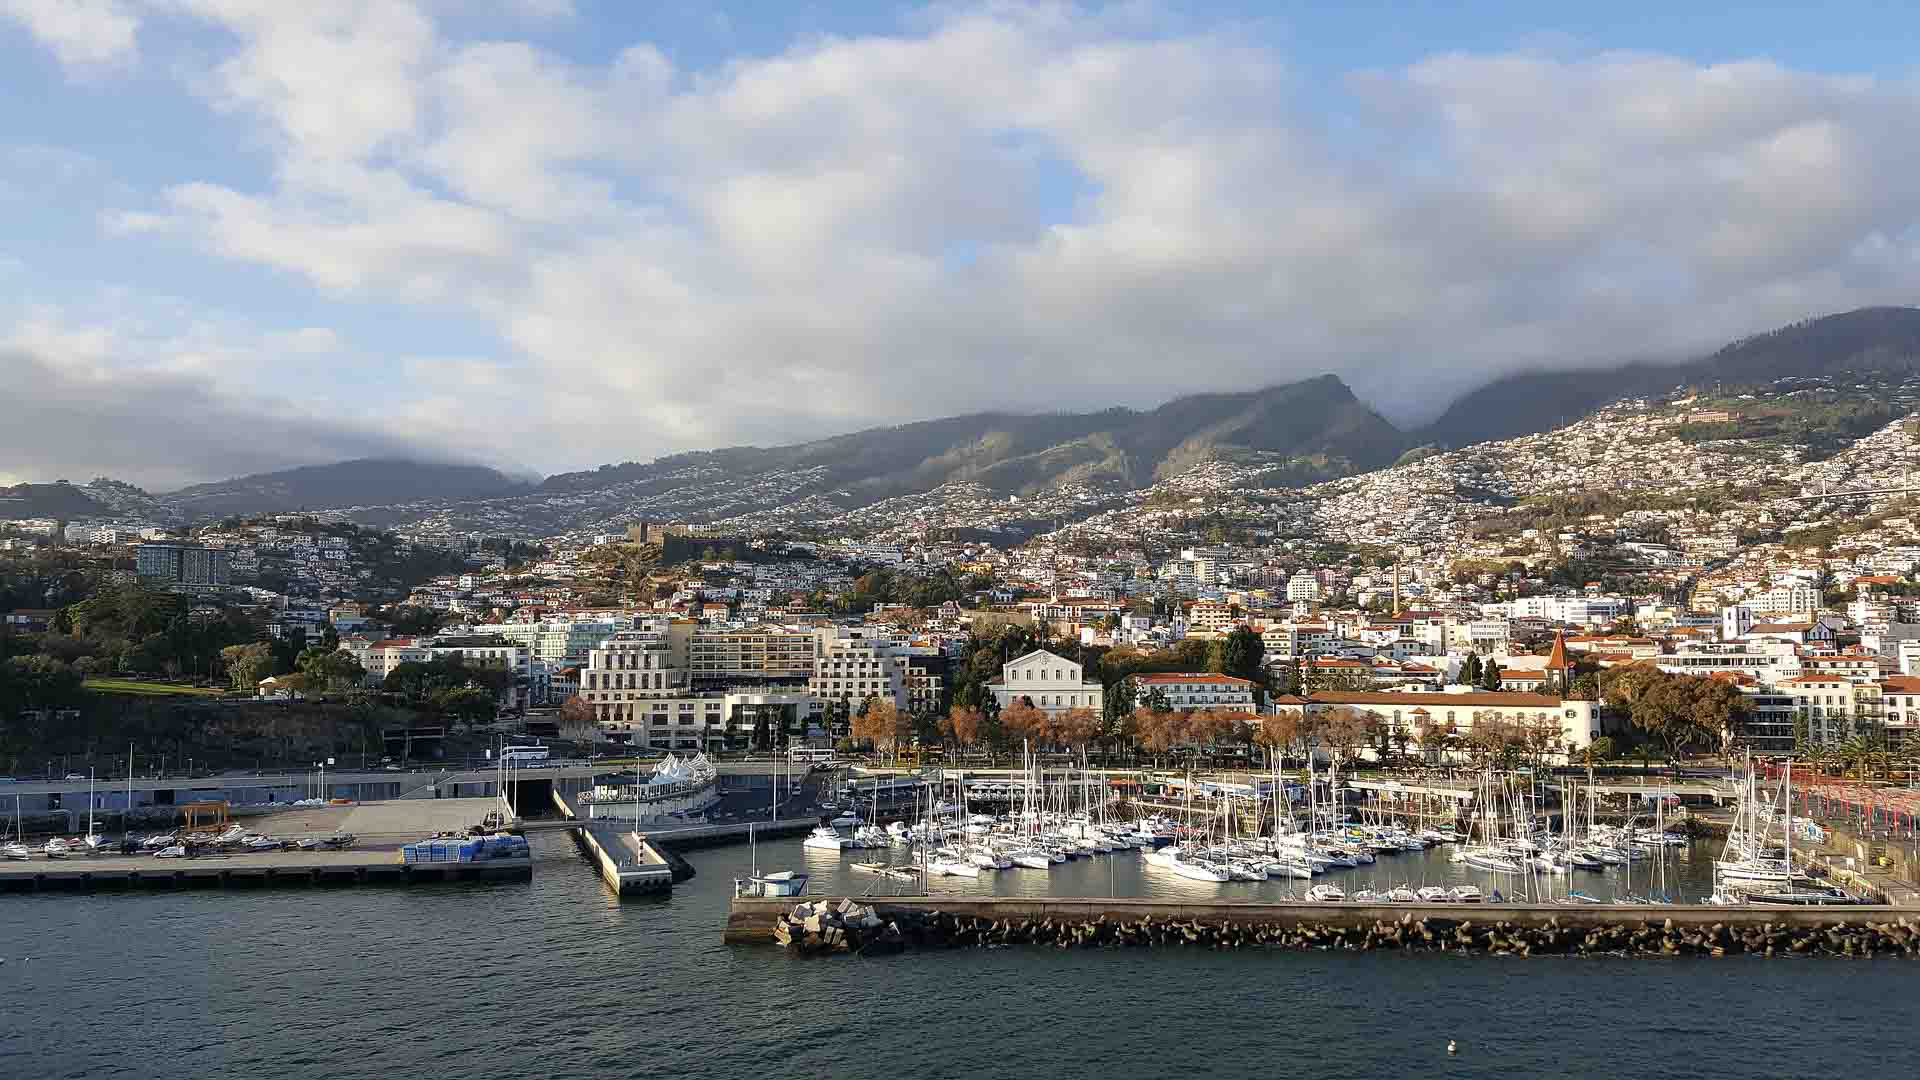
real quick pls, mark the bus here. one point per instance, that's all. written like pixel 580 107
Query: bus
pixel 811 755
pixel 522 757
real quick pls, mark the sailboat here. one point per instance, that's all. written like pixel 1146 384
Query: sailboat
pixel 14 849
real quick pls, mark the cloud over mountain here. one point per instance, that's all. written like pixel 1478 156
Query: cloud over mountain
pixel 1010 206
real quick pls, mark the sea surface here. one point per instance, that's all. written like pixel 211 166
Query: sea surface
pixel 557 978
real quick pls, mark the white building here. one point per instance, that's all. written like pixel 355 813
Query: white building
pixel 855 668
pixel 1191 691
pixel 1303 586
pixel 1048 682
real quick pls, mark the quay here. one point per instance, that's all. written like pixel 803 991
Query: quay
pixel 380 829
pixel 751 920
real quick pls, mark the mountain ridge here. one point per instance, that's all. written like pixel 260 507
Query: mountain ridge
pixel 1305 431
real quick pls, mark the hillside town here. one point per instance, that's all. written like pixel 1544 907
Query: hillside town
pixel 1505 582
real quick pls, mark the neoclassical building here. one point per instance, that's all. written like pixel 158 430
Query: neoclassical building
pixel 1048 682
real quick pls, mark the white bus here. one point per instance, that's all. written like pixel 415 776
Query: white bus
pixel 811 755
pixel 524 756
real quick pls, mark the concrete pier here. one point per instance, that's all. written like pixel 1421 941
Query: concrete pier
pixel 102 872
pixel 751 920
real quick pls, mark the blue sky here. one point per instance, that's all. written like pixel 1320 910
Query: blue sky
pixel 548 234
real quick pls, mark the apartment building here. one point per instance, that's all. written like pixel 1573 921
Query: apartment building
pixel 1190 691
pixel 762 656
pixel 852 669
pixel 641 697
pixel 182 564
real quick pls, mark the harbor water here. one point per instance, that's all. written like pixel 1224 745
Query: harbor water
pixel 558 978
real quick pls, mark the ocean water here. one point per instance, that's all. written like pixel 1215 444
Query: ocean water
pixel 558 978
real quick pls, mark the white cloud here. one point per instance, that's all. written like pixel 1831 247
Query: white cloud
pixel 1032 208
pixel 84 34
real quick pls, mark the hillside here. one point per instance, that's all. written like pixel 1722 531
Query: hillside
pixel 1882 340
pixel 366 482
pixel 1016 453
pixel 61 500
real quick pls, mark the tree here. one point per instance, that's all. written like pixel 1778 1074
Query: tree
pixel 1470 672
pixel 1287 681
pixel 877 722
pixel 248 664
pixel 577 718
pixel 1490 675
pixel 1240 654
pixel 1338 730
pixel 1077 728
pixel 962 725
pixel 326 671
pixel 1021 720
pixel 1279 731
pixel 1600 749
pixel 472 704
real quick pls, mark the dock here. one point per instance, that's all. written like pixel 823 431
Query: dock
pixel 381 830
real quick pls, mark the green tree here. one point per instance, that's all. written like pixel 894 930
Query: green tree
pixel 1490 675
pixel 1470 671
pixel 1240 654
pixel 248 664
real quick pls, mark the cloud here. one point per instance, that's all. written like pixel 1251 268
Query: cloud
pixel 68 416
pixel 1029 207
pixel 84 34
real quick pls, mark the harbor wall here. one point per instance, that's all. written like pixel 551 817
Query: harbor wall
pixel 752 920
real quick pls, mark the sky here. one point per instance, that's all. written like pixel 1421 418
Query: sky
pixel 239 235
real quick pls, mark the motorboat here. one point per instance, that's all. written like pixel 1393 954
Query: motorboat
pixel 1465 894
pixel 1402 894
pixel 172 851
pixel 1326 893
pixel 16 851
pixel 778 883
pixel 1368 896
pixel 1434 894
pixel 57 848
pixel 826 838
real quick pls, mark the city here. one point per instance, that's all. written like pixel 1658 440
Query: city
pixel 899 539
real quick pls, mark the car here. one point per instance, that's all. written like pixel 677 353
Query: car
pixel 76 776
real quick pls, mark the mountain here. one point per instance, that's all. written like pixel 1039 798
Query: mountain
pixel 61 500
pixel 1317 421
pixel 1880 339
pixel 365 482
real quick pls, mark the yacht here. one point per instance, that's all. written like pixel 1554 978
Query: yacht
pixel 1195 870
pixel 826 838
pixel 1434 894
pixel 1487 858
pixel 1800 895
pixel 1402 894
pixel 57 848
pixel 1465 894
pixel 1326 892
pixel 15 850
pixel 1029 858
pixel 949 862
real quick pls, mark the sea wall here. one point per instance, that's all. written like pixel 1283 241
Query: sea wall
pixel 1493 929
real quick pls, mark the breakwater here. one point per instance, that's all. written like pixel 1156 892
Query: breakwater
pixel 1576 930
